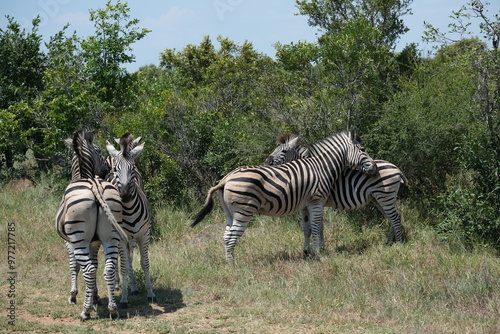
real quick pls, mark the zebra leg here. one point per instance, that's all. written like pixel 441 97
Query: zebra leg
pixel 390 212
pixel 89 275
pixel 74 269
pixel 322 246
pixel 124 268
pixel 306 228
pixel 144 249
pixel 94 250
pixel 231 236
pixel 316 214
pixel 110 253
pixel 396 230
pixel 133 286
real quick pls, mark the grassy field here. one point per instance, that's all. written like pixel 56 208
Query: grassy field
pixel 359 286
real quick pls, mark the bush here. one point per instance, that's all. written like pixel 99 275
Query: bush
pixel 469 208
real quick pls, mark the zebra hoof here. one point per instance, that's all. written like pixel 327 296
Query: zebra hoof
pixel 114 315
pixel 122 306
pixel 84 316
pixel 72 300
pixel 308 254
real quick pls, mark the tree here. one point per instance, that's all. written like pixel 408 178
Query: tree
pixel 332 17
pixel 109 48
pixel 215 105
pixel 469 207
pixel 21 71
pixel 355 52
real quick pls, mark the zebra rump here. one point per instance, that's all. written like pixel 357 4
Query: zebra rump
pixel 90 208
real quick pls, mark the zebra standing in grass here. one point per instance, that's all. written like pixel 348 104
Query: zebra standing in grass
pixel 95 244
pixel 90 208
pixel 285 189
pixel 136 209
pixel 353 190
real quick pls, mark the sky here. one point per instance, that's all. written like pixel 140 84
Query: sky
pixel 177 23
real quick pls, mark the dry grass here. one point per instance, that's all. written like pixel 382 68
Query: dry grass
pixel 359 286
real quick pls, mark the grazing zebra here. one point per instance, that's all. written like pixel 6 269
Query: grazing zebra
pixel 90 209
pixel 285 189
pixel 136 210
pixel 353 190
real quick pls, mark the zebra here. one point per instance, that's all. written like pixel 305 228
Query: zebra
pixel 136 210
pixel 90 208
pixel 95 244
pixel 353 190
pixel 285 189
pixel 111 164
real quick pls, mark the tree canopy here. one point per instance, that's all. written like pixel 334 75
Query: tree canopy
pixel 209 108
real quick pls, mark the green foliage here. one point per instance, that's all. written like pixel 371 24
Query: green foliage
pixel 109 48
pixel 382 15
pixel 21 63
pixel 469 209
pixel 21 70
pixel 427 118
pixel 212 107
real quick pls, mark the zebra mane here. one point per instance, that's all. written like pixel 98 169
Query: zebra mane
pixel 285 138
pixel 83 165
pixel 125 142
pixel 80 138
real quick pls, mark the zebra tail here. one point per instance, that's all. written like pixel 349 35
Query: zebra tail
pixel 208 206
pixel 403 178
pixel 98 191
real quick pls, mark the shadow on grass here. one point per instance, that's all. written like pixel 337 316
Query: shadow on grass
pixel 166 301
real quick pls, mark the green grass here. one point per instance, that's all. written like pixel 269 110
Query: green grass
pixel 360 285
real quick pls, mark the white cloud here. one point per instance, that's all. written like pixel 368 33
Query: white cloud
pixel 76 19
pixel 169 20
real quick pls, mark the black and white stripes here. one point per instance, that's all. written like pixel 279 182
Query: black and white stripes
pixel 353 190
pixel 136 210
pixel 285 189
pixel 90 209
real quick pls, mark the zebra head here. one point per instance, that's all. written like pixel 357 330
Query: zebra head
pixel 124 171
pixel 356 156
pixel 87 159
pixel 289 149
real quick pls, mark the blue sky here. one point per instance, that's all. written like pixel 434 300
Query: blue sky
pixel 177 23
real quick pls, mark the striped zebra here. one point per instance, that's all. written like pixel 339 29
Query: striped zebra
pixel 136 210
pixel 90 209
pixel 353 190
pixel 96 243
pixel 285 189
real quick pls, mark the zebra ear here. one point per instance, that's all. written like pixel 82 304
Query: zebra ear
pixel 352 134
pixel 111 149
pixel 136 141
pixel 294 142
pixel 136 151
